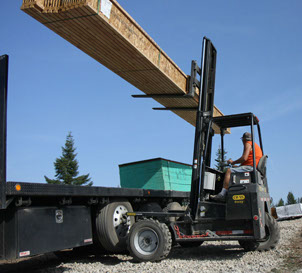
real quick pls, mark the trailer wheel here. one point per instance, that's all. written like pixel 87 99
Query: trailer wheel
pixel 150 207
pixel 149 240
pixel 272 237
pixel 190 244
pixel 112 226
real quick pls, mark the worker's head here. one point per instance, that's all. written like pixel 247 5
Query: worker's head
pixel 246 137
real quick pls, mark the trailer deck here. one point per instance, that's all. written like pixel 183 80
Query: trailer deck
pixel 37 189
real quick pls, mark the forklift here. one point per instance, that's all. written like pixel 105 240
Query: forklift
pixel 245 216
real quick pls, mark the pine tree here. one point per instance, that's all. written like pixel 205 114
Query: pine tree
pixel 67 167
pixel 291 199
pixel 220 161
pixel 280 203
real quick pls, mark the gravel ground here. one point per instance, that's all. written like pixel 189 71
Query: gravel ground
pixel 208 258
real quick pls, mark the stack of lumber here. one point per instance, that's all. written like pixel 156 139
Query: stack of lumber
pixel 107 33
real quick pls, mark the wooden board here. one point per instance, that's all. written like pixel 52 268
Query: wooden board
pixel 115 40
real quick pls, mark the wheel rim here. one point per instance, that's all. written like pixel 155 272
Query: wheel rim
pixel 121 222
pixel 146 241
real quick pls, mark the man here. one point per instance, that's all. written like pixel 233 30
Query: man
pixel 246 161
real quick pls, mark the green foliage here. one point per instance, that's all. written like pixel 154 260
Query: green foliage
pixel 220 161
pixel 280 203
pixel 67 166
pixel 291 199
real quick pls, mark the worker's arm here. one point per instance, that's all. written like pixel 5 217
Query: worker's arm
pixel 245 154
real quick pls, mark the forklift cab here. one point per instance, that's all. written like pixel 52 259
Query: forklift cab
pixel 258 174
pixel 243 187
pixel 212 179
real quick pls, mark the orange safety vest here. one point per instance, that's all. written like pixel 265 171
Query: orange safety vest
pixel 258 155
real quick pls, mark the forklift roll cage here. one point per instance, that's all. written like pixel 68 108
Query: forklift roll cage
pixel 240 120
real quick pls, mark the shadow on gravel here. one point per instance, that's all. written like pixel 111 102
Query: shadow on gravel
pixel 56 263
pixel 215 252
pixel 36 264
pixel 51 263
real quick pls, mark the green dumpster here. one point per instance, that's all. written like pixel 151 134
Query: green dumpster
pixel 156 174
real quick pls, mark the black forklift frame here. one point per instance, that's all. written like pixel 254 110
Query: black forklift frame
pixel 204 115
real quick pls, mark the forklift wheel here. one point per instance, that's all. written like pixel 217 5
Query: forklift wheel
pixel 190 244
pixel 272 237
pixel 149 240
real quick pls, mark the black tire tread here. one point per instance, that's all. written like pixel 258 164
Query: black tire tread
pixel 275 235
pixel 168 243
pixel 267 245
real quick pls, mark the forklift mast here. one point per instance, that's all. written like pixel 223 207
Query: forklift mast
pixel 203 129
pixel 3 113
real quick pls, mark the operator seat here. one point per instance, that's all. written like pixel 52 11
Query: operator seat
pixel 261 168
pixel 262 165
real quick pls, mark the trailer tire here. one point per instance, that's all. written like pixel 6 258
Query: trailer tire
pixel 149 240
pixel 112 226
pixel 150 207
pixel 272 237
pixel 173 206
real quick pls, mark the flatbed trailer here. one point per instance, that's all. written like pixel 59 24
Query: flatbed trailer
pixel 41 218
pixel 37 218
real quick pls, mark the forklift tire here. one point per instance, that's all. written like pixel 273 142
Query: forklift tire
pixel 112 226
pixel 190 244
pixel 272 237
pixel 149 240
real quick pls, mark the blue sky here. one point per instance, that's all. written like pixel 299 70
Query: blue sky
pixel 55 88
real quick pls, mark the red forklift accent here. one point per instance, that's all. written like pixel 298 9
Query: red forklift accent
pixel 183 236
pixel 227 232
pixel 233 232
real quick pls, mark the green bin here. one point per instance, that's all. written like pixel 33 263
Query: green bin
pixel 156 174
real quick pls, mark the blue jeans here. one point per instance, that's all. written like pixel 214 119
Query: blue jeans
pixel 242 169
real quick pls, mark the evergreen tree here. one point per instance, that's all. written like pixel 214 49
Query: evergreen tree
pixel 220 161
pixel 280 203
pixel 291 199
pixel 272 202
pixel 67 167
